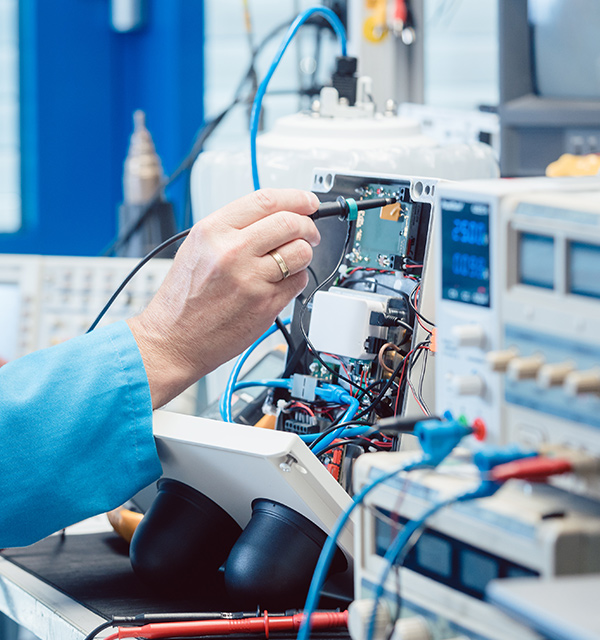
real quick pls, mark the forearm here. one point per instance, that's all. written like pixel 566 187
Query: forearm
pixel 76 432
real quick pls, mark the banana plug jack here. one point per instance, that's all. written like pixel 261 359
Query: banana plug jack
pixel 348 208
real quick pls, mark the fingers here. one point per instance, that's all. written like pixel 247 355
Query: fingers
pixel 289 259
pixel 265 202
pixel 279 229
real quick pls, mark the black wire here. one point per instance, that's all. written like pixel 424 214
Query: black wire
pixel 422 379
pixel 188 161
pixel 92 634
pixel 304 306
pixel 323 434
pixel 138 266
pixel 370 279
pixel 286 335
pixel 201 137
pixel 365 443
pixel 390 381
pixel 413 306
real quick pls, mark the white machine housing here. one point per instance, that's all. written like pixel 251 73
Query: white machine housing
pixel 518 309
pixel 234 464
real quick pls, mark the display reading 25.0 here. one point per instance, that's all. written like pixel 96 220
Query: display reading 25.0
pixel 470 232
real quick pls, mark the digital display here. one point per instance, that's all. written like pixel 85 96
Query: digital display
pixel 466 252
pixel 584 269
pixel 536 260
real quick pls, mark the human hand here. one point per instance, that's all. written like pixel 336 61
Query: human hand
pixel 224 288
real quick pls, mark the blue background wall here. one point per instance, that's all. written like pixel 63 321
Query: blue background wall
pixel 80 83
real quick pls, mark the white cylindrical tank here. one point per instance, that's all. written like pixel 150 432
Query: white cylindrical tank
pixel 338 136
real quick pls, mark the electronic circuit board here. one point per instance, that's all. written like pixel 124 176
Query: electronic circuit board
pixel 384 237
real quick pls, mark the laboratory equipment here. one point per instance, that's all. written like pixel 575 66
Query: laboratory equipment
pixel 517 311
pixel 540 532
pixel 48 299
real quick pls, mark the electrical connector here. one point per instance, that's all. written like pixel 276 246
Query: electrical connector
pixel 490 457
pixel 438 438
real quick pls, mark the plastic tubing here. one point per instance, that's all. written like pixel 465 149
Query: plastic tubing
pixel 338 27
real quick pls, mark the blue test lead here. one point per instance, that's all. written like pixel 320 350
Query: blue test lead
pixel 348 208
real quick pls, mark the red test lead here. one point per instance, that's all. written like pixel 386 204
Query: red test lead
pixel 265 624
pixel 532 469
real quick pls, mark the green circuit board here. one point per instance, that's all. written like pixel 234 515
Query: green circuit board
pixel 381 237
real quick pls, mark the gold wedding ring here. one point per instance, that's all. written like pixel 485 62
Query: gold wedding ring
pixel 285 272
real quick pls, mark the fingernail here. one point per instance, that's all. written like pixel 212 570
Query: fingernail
pixel 313 200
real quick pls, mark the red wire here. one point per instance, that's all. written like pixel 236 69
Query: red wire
pixel 302 406
pixel 406 357
pixel 265 624
pixel 534 469
pixel 331 355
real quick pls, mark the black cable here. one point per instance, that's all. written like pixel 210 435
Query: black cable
pixel 188 161
pixel 365 443
pixel 389 382
pixel 413 306
pixel 323 434
pixel 313 274
pixel 200 139
pixel 305 304
pixel 138 266
pixel 105 625
pixel 286 335
pixel 383 391
pixel 370 279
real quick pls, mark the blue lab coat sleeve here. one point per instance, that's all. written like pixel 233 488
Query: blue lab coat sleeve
pixel 75 433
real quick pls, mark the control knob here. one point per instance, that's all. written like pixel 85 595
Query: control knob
pixel 551 375
pixel 467 385
pixel 525 368
pixel 582 382
pixel 469 335
pixel 499 360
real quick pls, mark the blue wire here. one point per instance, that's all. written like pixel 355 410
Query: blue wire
pixel 338 27
pixel 225 403
pixel 329 548
pixel 328 392
pixel 485 489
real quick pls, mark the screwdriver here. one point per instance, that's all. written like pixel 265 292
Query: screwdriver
pixel 348 207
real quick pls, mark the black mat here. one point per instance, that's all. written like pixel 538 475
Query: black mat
pixel 95 571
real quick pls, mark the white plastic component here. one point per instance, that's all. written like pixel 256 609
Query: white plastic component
pixel 551 375
pixel 583 382
pixel 359 620
pixel 525 368
pixel 499 360
pixel 340 321
pixel 469 335
pixel 469 385
pixel 415 628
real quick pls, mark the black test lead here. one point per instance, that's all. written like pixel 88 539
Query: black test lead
pixel 348 207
